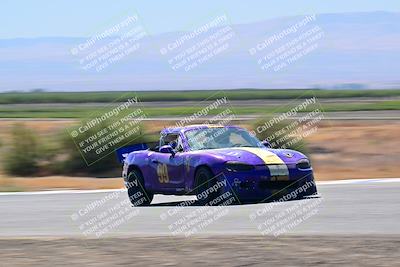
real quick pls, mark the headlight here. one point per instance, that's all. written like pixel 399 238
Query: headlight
pixel 234 166
pixel 303 164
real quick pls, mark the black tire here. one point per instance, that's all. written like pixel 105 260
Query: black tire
pixel 311 191
pixel 205 179
pixel 137 193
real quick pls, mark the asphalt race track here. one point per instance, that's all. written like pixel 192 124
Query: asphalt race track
pixel 354 207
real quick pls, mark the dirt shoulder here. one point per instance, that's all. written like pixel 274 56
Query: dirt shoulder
pixel 355 149
pixel 58 183
pixel 204 251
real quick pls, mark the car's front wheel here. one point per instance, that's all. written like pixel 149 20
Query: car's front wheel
pixel 205 181
pixel 138 195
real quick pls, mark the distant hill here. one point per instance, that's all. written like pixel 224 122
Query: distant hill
pixel 361 50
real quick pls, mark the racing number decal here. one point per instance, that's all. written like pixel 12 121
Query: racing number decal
pixel 162 173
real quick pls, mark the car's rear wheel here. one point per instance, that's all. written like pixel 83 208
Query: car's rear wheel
pixel 205 180
pixel 138 195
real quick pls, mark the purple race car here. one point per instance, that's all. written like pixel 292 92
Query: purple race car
pixel 211 161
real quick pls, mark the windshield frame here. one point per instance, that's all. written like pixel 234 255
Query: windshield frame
pixel 190 148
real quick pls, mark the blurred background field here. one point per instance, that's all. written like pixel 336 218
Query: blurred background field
pixel 39 96
pixel 37 153
pixel 172 103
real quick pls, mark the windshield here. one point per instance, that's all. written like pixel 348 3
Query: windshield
pixel 223 137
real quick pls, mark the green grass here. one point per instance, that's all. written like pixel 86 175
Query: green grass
pixel 239 94
pixel 84 112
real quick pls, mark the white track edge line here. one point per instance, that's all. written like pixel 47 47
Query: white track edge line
pixel 338 182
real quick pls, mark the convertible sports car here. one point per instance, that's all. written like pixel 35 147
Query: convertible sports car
pixel 211 160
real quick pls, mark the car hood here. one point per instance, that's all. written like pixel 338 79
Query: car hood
pixel 255 155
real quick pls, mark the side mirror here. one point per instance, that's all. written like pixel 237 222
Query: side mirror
pixel 266 143
pixel 167 149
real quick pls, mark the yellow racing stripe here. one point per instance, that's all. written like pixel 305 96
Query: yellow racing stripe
pixel 267 156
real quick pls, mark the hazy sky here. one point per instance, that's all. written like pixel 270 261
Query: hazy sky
pixel 44 18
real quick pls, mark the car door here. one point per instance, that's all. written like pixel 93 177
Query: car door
pixel 169 168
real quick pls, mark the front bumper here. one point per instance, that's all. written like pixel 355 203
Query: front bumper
pixel 256 187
